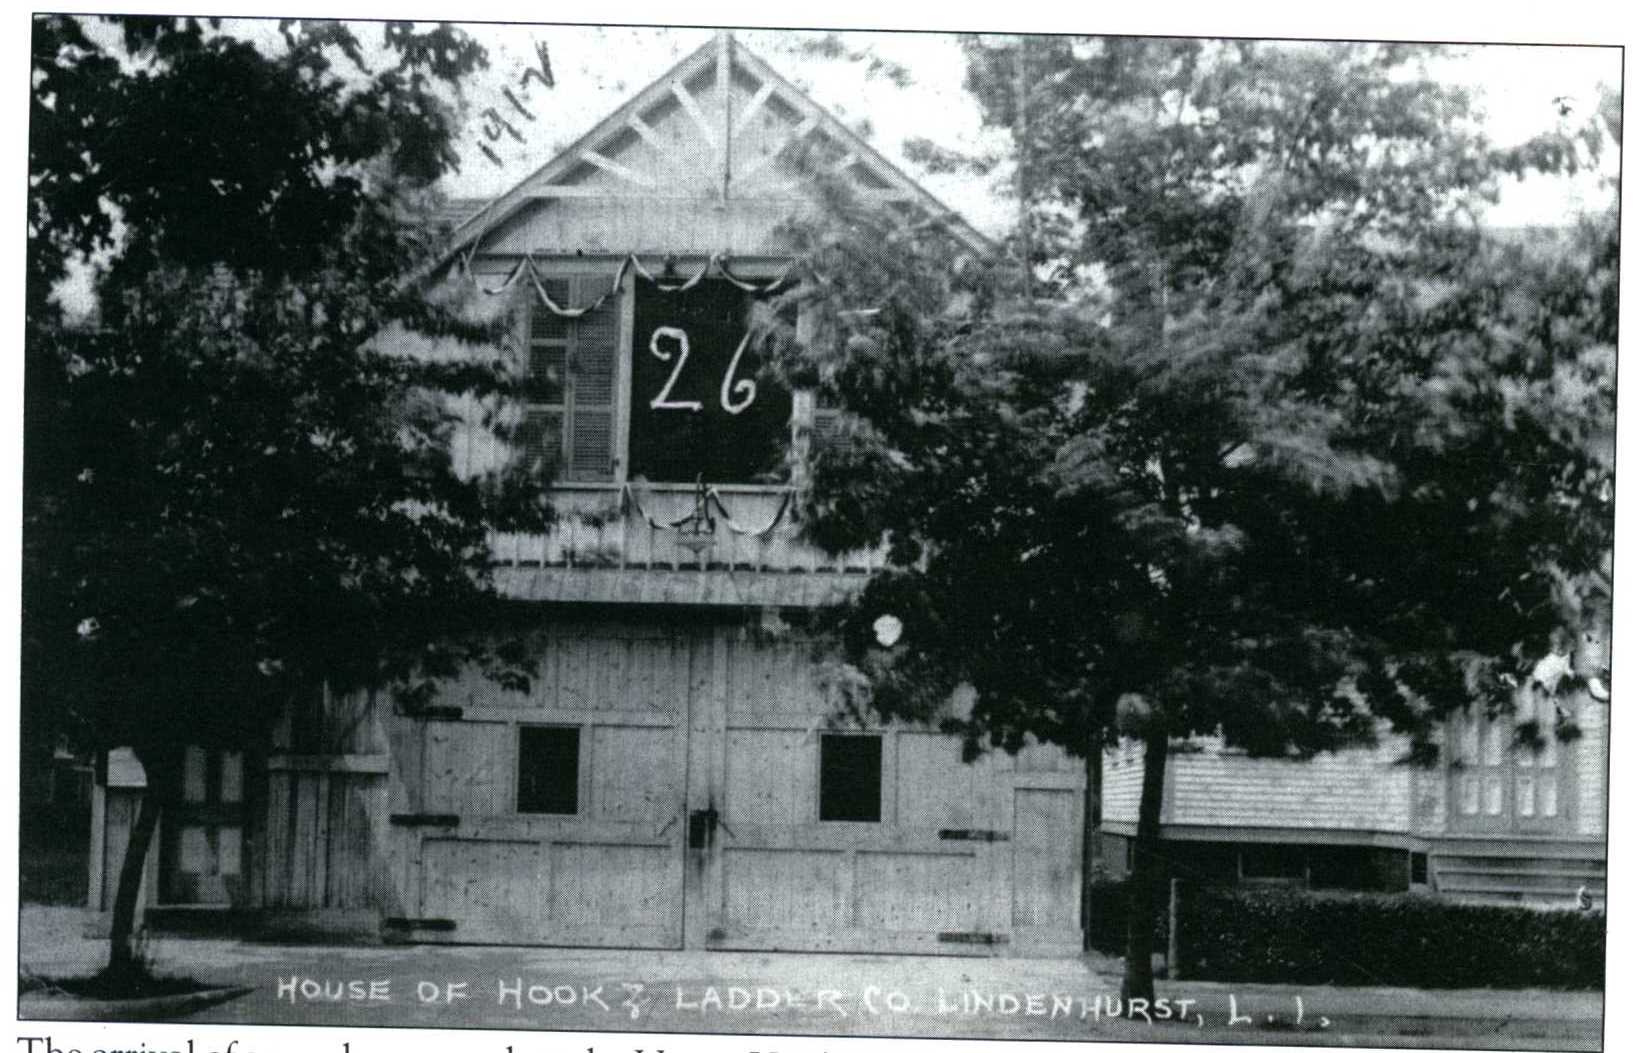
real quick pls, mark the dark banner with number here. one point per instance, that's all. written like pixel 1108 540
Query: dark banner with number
pixel 699 407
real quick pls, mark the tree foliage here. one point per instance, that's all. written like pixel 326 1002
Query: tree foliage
pixel 1286 446
pixel 238 482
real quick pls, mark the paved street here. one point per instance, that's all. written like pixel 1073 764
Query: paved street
pixel 543 988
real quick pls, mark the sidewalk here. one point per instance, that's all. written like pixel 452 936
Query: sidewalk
pixel 807 994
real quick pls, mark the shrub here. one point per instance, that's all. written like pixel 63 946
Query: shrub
pixel 1109 917
pixel 1293 936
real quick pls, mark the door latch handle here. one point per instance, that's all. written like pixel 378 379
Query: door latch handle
pixel 702 827
pixel 668 824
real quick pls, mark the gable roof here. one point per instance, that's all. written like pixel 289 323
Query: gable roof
pixel 718 91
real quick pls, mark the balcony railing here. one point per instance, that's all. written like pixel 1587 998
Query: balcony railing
pixel 655 528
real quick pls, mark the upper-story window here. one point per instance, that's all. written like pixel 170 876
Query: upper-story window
pixel 686 400
pixel 699 404
pixel 568 432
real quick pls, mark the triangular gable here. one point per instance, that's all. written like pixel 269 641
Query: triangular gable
pixel 711 128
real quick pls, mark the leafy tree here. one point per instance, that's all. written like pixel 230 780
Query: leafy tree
pixel 237 488
pixel 1268 438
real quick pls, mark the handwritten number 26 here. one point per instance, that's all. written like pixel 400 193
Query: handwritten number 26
pixel 746 389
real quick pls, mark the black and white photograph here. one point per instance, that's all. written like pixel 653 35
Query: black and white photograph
pixel 799 535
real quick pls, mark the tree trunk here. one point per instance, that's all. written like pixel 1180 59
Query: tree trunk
pixel 160 771
pixel 1148 877
pixel 1091 821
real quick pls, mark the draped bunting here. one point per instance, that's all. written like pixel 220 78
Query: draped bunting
pixel 760 288
pixel 527 266
pixel 630 500
pixel 785 503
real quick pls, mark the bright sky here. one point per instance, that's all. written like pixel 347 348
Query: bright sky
pixel 599 68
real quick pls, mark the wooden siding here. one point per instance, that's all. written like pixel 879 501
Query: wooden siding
pixel 650 227
pixel 1351 790
pixel 719 130
pixel 1366 791
pixel 938 871
pixel 1430 793
pixel 323 840
pixel 596 528
pixel 1591 753
pixel 114 813
pixel 964 858
pixel 1362 790
pixel 1121 776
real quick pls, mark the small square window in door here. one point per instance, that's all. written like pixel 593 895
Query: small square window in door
pixel 851 778
pixel 547 771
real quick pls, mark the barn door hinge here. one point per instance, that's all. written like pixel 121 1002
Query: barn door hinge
pixel 980 938
pixel 406 928
pixel 974 835
pixel 438 713
pixel 424 819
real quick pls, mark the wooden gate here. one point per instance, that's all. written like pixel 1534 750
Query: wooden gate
pixel 200 847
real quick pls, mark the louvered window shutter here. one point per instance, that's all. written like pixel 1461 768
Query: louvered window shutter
pixel 541 441
pixel 567 431
pixel 542 436
pixel 591 366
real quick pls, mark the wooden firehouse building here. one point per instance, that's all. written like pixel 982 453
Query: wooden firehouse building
pixel 677 775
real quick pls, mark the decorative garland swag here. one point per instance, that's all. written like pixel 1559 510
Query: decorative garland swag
pixel 630 499
pixel 527 266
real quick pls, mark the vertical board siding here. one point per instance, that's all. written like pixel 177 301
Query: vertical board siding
pixel 631 783
pixel 937 789
pixel 278 834
pixel 653 705
pixel 608 874
pixel 1430 811
pixel 615 885
pixel 1590 753
pixel 468 768
pixel 121 812
pixel 791 881
pixel 595 226
pixel 771 777
pixel 502 888
pixel 900 891
pixel 791 890
pixel 1046 873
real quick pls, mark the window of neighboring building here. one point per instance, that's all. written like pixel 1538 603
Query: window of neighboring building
pixel 547 770
pixel 851 778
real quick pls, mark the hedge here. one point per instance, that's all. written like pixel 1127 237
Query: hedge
pixel 1109 917
pixel 1280 935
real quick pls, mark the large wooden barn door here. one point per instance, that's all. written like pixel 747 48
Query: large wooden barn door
pixel 555 817
pixel 667 788
pixel 866 841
